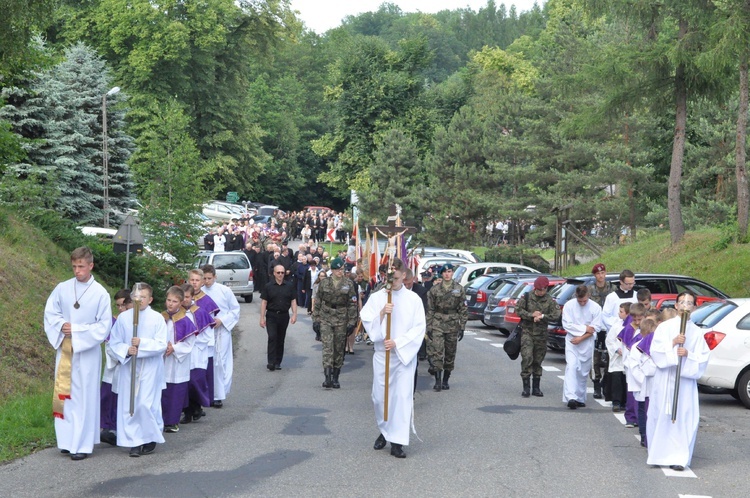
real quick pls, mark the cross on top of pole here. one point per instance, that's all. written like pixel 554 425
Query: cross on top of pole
pixel 394 227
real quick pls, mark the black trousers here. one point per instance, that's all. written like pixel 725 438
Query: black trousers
pixel 276 325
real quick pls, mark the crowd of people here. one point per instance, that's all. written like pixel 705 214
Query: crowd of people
pixel 162 370
pixel 631 351
pixel 309 226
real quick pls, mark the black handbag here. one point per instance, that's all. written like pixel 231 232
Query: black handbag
pixel 512 346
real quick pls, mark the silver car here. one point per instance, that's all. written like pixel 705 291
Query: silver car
pixel 232 269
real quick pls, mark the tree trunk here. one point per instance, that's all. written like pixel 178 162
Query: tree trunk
pixel 743 195
pixel 676 225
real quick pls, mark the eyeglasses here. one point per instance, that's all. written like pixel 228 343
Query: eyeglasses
pixel 279 272
pixel 685 303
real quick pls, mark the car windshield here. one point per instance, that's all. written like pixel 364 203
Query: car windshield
pixel 459 271
pixel 711 313
pixel 521 289
pixel 480 281
pixel 504 289
pixel 231 262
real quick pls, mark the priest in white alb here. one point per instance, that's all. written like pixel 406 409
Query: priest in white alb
pixel 581 319
pixel 406 334
pixel 77 319
pixel 671 443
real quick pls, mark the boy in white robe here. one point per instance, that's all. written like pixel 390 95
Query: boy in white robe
pixel 143 430
pixel 229 315
pixel 180 340
pixel 581 319
pixel 672 443
pixel 616 367
pixel 77 319
pixel 408 327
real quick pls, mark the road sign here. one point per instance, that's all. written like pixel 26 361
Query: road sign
pixel 128 239
pixel 233 197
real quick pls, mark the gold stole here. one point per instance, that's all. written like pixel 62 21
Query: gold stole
pixel 63 377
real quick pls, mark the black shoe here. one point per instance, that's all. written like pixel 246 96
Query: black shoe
pixel 616 407
pixel 108 436
pixel 446 376
pixel 335 378
pixel 379 443
pixel 135 451
pixel 678 468
pixel 217 404
pixel 65 452
pixel 597 389
pixel 397 451
pixel 147 449
pixel 187 418
pixel 277 367
pixel 535 391
pixel 270 367
pixel 328 372
pixel 78 456
pixel 526 388
pixel 580 405
pixel 438 381
pixel 172 428
pixel 572 404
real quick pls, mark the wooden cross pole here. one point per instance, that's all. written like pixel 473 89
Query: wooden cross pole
pixel 393 231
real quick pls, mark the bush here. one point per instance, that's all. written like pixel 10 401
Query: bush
pixel 517 255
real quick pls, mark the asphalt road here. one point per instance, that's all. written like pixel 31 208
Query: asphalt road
pixel 281 434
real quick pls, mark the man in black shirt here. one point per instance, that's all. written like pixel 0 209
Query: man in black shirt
pixel 276 298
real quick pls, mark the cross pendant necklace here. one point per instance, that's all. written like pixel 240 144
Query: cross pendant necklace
pixel 75 293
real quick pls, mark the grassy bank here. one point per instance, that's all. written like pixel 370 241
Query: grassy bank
pixel 694 256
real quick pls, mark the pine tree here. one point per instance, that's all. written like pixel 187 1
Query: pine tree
pixel 62 115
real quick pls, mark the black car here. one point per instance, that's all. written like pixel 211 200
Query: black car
pixel 477 292
pixel 657 283
pixel 494 313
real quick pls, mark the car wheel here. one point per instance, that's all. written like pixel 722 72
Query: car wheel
pixel 249 298
pixel 743 388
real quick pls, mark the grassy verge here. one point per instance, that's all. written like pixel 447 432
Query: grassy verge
pixel 26 423
pixel 694 256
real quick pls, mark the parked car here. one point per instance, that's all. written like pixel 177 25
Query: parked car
pixel 662 301
pixel 657 283
pixel 524 286
pixel 222 211
pixel 427 252
pixel 232 269
pixel 468 272
pixel 727 326
pixel 477 292
pixel 439 261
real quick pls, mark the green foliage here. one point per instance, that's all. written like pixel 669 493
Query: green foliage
pixel 26 424
pixel 22 21
pixel 517 255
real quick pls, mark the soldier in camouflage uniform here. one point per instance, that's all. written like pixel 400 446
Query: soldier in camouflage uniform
pixel 335 314
pixel 446 319
pixel 598 293
pixel 536 309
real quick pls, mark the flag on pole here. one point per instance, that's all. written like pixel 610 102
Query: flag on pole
pixel 374 259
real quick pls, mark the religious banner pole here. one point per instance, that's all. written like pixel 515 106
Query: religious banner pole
pixel 392 231
pixel 684 317
pixel 136 297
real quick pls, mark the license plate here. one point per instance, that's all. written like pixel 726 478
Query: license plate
pixel 232 284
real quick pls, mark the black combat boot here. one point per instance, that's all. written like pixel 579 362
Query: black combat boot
pixel 335 380
pixel 438 381
pixel 526 387
pixel 535 387
pixel 597 389
pixel 328 383
pixel 446 376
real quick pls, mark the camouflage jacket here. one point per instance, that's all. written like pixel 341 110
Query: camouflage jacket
pixel 599 295
pixel 528 304
pixel 446 308
pixel 336 302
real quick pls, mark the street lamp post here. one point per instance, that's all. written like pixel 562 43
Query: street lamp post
pixel 105 155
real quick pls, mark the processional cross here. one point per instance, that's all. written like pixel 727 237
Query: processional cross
pixel 393 231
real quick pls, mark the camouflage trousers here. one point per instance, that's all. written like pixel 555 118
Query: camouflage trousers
pixel 442 350
pixel 601 357
pixel 533 351
pixel 333 338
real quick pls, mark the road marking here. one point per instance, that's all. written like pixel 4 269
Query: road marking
pixel 497 344
pixel 469 332
pixel 678 473
pixel 694 496
pixel 606 404
pixel 620 417
pixel 550 369
pixel 483 339
pixel 561 377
